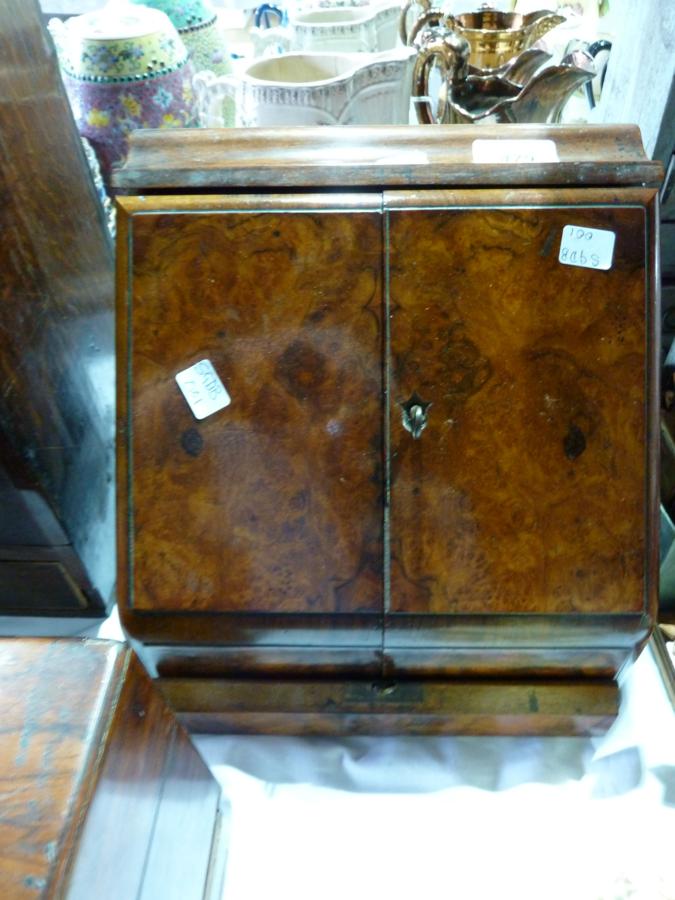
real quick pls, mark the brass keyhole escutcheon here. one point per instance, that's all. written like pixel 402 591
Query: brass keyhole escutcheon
pixel 414 415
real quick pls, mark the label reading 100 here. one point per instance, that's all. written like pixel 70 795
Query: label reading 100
pixel 590 248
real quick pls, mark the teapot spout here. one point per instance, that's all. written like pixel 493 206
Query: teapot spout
pixel 543 98
pixel 521 68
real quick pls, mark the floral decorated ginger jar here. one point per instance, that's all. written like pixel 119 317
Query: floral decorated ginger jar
pixel 124 68
pixel 197 24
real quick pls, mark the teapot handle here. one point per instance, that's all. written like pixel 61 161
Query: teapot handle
pixel 404 35
pixel 595 48
pixel 59 32
pixel 431 18
pixel 216 99
pixel 432 52
pixel 261 16
pixel 450 54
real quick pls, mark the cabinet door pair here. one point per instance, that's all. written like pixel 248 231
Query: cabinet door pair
pixel 430 412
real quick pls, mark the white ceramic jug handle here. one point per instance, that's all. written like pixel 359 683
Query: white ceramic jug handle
pixel 216 99
pixel 265 39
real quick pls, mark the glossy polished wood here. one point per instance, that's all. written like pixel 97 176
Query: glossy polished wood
pixel 51 697
pixel 272 504
pixel 399 155
pixel 56 318
pixel 100 786
pixel 516 537
pixel 526 492
pixel 413 707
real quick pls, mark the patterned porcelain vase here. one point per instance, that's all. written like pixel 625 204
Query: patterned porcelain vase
pixel 124 67
pixel 198 27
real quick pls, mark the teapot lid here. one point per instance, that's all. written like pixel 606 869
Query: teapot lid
pixel 185 14
pixel 120 21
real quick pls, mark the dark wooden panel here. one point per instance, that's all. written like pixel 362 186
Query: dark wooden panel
pixel 412 707
pixel 152 818
pixel 19 579
pixel 121 814
pixel 27 518
pixel 445 661
pixel 196 644
pixel 274 503
pixel 324 661
pixel 491 662
pixel 56 301
pixel 527 490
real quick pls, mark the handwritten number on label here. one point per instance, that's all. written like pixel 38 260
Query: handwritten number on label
pixel 210 381
pixel 589 248
pixel 203 389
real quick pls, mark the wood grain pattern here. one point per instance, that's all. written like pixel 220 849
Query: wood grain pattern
pixel 128 790
pixel 448 659
pixel 411 707
pixel 100 787
pixel 203 159
pixel 272 504
pixel 517 537
pixel 54 702
pixel 56 315
pixel 153 808
pixel 527 490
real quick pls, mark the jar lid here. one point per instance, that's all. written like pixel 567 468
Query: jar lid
pixel 184 14
pixel 117 22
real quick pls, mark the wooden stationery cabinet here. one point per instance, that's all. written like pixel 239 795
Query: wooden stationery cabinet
pixel 430 502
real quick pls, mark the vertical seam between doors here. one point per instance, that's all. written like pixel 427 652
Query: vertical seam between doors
pixel 386 532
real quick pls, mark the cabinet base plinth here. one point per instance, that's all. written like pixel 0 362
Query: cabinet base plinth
pixel 422 707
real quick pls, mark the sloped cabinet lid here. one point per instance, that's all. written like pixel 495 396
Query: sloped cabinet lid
pixel 400 156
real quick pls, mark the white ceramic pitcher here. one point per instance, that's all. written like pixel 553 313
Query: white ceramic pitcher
pixel 347 29
pixel 310 89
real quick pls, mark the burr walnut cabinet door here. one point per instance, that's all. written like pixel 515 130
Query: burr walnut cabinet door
pixel 272 504
pixel 526 491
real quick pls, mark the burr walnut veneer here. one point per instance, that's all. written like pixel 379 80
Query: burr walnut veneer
pixel 430 503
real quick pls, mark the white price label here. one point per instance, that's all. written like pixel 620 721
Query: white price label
pixel 507 151
pixel 590 248
pixel 203 389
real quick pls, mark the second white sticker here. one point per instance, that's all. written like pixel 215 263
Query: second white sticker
pixel 590 248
